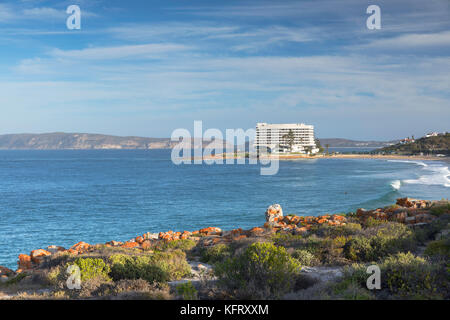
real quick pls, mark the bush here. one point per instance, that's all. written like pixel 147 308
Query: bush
pixel 380 241
pixel 358 249
pixel 304 257
pixel 440 248
pixel 187 291
pixel 413 277
pixel 346 230
pixel 182 244
pixel 16 279
pixel 217 253
pixel 158 267
pixel 263 270
pixel 140 289
pixel 287 239
pixel 91 268
pixel 440 209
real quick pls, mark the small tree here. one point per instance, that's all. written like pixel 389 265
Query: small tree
pixel 289 139
pixel 319 145
pixel 327 146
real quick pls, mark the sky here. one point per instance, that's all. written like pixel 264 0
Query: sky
pixel 146 68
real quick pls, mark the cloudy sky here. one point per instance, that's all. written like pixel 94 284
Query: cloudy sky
pixel 141 67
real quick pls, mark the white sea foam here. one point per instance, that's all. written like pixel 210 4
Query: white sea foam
pixel 420 163
pixel 436 174
pixel 396 184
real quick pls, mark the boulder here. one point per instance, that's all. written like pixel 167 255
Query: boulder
pixel 405 202
pixel 185 235
pixel 113 243
pixel 256 231
pixel 274 212
pixel 6 272
pixel 147 244
pixel 130 244
pixel 54 249
pixel 24 262
pixel 139 239
pixel 81 247
pixel 37 256
pixel 400 217
pixel 211 231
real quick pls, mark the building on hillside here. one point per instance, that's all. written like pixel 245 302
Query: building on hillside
pixel 283 138
pixel 406 140
pixel 431 134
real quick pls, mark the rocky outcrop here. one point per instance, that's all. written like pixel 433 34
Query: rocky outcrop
pixel 274 213
pixel 408 211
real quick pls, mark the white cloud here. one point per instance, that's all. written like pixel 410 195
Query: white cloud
pixel 409 41
pixel 119 52
pixel 6 13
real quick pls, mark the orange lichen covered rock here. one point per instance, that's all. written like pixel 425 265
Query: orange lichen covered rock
pixel 37 255
pixel 339 218
pixel 185 235
pixel 139 239
pixel 130 244
pixel 71 251
pixel 147 244
pixel 4 271
pixel 114 243
pixel 81 247
pixel 256 231
pixel 54 249
pixel 210 231
pixel 274 212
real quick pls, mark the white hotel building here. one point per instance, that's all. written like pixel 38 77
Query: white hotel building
pixel 271 136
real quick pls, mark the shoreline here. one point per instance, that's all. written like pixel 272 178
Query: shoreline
pixel 336 156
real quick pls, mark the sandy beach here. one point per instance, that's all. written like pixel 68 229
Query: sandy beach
pixel 337 156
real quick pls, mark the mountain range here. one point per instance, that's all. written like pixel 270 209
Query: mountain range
pixel 61 140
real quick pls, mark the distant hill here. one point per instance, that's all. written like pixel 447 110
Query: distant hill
pixel 345 143
pixel 430 145
pixel 60 141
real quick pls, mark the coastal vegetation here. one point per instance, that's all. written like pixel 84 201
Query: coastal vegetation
pixel 439 144
pixel 290 257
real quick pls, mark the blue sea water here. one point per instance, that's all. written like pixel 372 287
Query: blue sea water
pixel 62 197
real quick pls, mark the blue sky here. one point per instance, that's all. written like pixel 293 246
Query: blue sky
pixel 145 68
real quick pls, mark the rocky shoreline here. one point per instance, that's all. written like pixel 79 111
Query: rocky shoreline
pixel 412 213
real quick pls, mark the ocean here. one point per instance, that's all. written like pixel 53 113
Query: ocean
pixel 62 197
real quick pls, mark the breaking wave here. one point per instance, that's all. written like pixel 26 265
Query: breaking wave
pixel 433 174
pixel 396 184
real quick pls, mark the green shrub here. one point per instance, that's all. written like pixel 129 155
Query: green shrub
pixel 350 289
pixel 304 257
pixel 182 244
pixel 438 248
pixel 263 270
pixel 16 279
pixel 413 277
pixel 217 253
pixel 358 249
pixel 157 267
pixel 440 209
pixel 286 239
pixel 346 230
pixel 187 291
pixel 91 268
pixel 380 241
